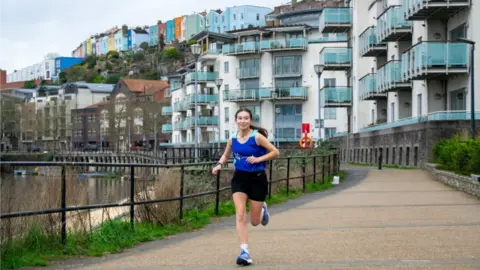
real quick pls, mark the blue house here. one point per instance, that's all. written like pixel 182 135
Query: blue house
pixel 243 17
pixel 62 63
pixel 170 32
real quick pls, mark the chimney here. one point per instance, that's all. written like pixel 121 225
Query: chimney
pixel 3 77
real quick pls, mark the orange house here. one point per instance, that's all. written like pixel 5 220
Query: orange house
pixel 178 27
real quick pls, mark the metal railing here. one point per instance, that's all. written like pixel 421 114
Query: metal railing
pixel 331 165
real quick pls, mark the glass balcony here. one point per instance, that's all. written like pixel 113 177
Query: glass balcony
pixel 167 110
pixel 201 76
pixel 240 48
pixel 369 46
pixel 435 59
pixel 331 97
pixel 241 95
pixel 391 25
pixel 299 93
pixel 179 106
pixel 339 37
pixel 284 45
pixel 201 99
pixel 287 70
pixel 433 9
pixel 335 20
pixel 167 128
pixel 390 77
pixel 246 73
pixel 336 58
pixel 368 88
pixel 201 121
pixel 178 125
pixel 174 86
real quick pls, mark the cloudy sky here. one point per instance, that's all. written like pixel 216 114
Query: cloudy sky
pixel 29 29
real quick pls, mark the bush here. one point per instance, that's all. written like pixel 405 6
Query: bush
pixel 459 156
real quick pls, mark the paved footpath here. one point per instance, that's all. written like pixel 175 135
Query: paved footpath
pixel 390 219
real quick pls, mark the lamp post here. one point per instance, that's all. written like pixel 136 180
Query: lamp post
pixel 319 69
pixel 472 83
pixel 196 50
pixel 219 83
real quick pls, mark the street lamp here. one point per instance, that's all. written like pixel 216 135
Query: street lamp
pixel 196 50
pixel 319 69
pixel 472 83
pixel 219 83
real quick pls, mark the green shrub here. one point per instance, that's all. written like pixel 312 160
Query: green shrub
pixel 457 155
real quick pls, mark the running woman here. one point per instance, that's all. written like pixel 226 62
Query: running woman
pixel 251 149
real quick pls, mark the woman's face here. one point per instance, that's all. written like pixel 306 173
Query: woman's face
pixel 243 120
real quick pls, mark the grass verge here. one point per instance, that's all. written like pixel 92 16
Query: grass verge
pixel 383 166
pixel 37 248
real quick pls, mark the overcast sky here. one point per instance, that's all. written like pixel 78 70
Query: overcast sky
pixel 29 29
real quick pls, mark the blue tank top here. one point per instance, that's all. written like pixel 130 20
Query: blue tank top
pixel 241 151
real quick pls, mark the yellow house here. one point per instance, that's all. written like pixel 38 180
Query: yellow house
pixel 89 47
pixel 111 42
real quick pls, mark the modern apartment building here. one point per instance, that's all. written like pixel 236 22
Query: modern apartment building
pixel 271 71
pixel 412 64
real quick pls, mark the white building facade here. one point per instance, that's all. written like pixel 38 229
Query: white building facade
pixel 43 70
pixel 411 61
pixel 269 70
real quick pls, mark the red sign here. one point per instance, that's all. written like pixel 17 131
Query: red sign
pixel 305 128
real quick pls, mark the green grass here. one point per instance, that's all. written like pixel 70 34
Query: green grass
pixel 37 248
pixel 383 166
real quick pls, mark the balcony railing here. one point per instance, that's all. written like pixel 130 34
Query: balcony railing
pixel 336 58
pixel 284 93
pixel 433 9
pixel 201 121
pixel 201 76
pixel 167 128
pixel 336 97
pixel 335 19
pixel 339 37
pixel 368 88
pixel 174 86
pixel 201 99
pixel 167 110
pixel 391 25
pixel 245 73
pixel 287 70
pixel 240 48
pixel 390 77
pixel 369 45
pixel 179 125
pixel 284 45
pixel 429 58
pixel 434 116
pixel 179 106
pixel 241 95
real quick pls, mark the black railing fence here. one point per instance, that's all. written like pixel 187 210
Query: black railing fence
pixel 294 171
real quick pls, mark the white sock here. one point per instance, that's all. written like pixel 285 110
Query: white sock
pixel 244 247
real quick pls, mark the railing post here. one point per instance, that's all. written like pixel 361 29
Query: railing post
pixel 380 161
pixel 329 166
pixel 314 169
pixel 132 197
pixel 304 165
pixel 288 174
pixel 271 178
pixel 182 175
pixel 323 169
pixel 64 208
pixel 217 199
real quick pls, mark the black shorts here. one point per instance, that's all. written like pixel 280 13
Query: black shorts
pixel 254 184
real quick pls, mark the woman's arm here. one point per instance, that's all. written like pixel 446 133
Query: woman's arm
pixel 271 149
pixel 227 153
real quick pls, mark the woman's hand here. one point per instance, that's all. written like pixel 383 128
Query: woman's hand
pixel 216 169
pixel 253 160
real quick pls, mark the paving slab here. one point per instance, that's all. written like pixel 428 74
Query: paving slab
pixel 389 219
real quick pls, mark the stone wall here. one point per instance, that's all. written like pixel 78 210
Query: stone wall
pixel 464 183
pixel 409 145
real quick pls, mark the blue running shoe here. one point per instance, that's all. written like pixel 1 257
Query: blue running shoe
pixel 266 215
pixel 244 258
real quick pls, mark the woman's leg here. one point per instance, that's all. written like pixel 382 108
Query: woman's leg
pixel 240 201
pixel 256 213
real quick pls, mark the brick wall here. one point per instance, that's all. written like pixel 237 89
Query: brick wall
pixel 466 184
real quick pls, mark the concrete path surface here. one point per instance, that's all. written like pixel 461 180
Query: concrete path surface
pixel 389 219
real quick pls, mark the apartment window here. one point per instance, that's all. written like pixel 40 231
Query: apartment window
pixel 249 84
pixel 458 101
pixel 223 18
pixel 288 121
pixel 329 82
pixel 458 32
pixel 226 67
pixel 330 113
pixel 234 17
pixel 419 104
pixel 227 134
pixel 241 16
pixel 234 27
pixel 372 116
pixel 392 111
pixel 226 87
pixel 258 17
pixel 288 65
pixel 218 29
pixel 227 114
pixel 329 132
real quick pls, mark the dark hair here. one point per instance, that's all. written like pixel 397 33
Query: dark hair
pixel 260 129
